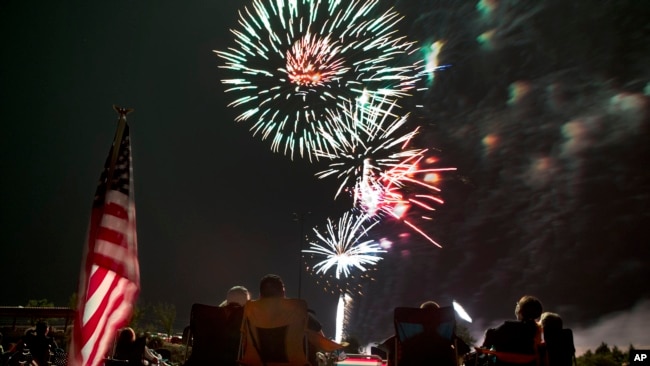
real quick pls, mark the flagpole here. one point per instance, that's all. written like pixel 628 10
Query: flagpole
pixel 121 124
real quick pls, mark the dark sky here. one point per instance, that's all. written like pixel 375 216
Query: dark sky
pixel 550 197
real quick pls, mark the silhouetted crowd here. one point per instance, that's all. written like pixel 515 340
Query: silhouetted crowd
pixel 276 330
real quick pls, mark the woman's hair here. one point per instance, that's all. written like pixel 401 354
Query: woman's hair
pixel 126 336
pixel 124 344
pixel 551 321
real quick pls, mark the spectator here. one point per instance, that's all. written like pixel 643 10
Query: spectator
pixel 135 350
pixel 124 346
pixel 236 295
pixel 272 285
pixel 520 336
pixel 388 346
pixel 216 331
pixel 559 341
pixel 40 344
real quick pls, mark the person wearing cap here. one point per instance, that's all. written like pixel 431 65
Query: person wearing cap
pixel 238 295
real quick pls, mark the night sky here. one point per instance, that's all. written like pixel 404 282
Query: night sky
pixel 550 196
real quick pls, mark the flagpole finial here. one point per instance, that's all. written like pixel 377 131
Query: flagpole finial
pixel 121 126
pixel 122 111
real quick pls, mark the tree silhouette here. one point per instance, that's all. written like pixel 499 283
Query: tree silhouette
pixel 603 356
pixel 42 303
pixel 166 315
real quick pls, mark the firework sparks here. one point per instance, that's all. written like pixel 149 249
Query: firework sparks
pixel 375 164
pixel 366 142
pixel 344 246
pixel 432 60
pixel 409 187
pixel 461 312
pixel 343 310
pixel 295 60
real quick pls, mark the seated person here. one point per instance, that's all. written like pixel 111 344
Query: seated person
pixel 151 349
pixel 40 344
pixel 272 287
pixel 559 341
pixel 135 350
pixel 216 331
pixel 236 296
pixel 439 347
pixel 236 299
pixel 521 336
pixel 149 355
pixel 125 347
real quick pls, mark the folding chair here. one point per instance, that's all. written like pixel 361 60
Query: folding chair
pixel 425 336
pixel 215 333
pixel 274 333
pixel 560 348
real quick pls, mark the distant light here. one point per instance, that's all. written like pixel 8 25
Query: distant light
pixel 432 178
pixel 461 312
pixel 385 243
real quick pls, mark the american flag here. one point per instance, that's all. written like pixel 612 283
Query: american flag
pixel 110 273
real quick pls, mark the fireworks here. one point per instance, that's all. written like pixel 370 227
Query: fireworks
pixel 375 164
pixel 366 141
pixel 323 80
pixel 408 187
pixel 461 312
pixel 343 310
pixel 344 246
pixel 296 60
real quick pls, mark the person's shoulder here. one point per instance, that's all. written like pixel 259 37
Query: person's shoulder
pixel 516 324
pixel 520 324
pixel 297 303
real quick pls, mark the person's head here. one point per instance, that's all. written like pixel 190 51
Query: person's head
pixel 429 305
pixel 272 286
pixel 126 336
pixel 237 295
pixel 155 343
pixel 551 321
pixel 42 328
pixel 528 308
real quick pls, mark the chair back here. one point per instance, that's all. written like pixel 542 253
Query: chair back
pixel 425 336
pixel 273 333
pixel 560 348
pixel 215 333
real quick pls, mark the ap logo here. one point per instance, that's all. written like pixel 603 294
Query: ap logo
pixel 639 357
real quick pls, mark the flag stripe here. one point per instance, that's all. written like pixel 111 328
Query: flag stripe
pixel 111 251
pixel 109 234
pixel 94 349
pixel 93 328
pixel 101 282
pixel 116 208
